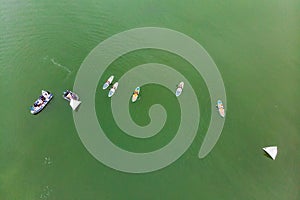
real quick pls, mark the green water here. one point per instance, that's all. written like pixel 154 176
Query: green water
pixel 256 46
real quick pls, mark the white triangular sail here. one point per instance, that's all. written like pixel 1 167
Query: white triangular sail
pixel 271 151
pixel 74 104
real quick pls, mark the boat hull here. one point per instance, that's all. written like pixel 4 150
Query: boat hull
pixel 36 110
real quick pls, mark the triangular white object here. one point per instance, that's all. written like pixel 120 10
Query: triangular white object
pixel 271 151
pixel 74 104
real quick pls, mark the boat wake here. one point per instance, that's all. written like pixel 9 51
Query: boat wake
pixel 61 66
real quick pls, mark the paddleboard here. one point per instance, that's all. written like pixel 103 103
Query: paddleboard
pixel 108 82
pixel 221 108
pixel 113 89
pixel 179 89
pixel 135 94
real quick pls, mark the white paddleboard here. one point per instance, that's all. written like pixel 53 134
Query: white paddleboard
pixel 108 82
pixel 179 89
pixel 135 94
pixel 271 151
pixel 113 89
pixel 221 108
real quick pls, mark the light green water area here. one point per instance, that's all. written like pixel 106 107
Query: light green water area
pixel 256 46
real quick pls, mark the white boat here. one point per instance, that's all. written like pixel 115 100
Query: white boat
pixel 108 82
pixel 221 108
pixel 271 151
pixel 73 98
pixel 135 94
pixel 179 89
pixel 68 95
pixel 41 102
pixel 113 89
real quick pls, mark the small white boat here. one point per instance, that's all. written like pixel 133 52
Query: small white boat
pixel 68 95
pixel 73 98
pixel 221 108
pixel 41 102
pixel 108 82
pixel 271 151
pixel 135 94
pixel 179 89
pixel 113 89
